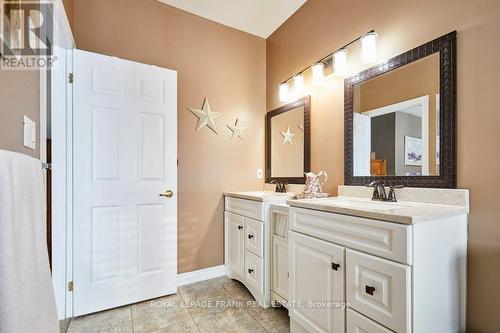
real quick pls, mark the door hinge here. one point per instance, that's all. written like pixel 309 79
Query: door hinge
pixel 71 77
pixel 70 286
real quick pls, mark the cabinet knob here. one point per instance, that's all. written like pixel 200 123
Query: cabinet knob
pixel 250 236
pixel 250 271
pixel 369 290
pixel 240 227
pixel 335 266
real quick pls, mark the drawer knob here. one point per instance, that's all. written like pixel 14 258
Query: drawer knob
pixel 250 271
pixel 369 290
pixel 250 236
pixel 240 227
pixel 335 266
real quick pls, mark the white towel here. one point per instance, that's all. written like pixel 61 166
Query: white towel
pixel 27 301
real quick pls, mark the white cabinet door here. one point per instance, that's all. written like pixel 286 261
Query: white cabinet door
pixel 125 153
pixel 316 284
pixel 280 266
pixel 235 243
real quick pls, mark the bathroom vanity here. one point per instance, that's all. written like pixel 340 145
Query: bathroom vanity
pixel 371 266
pixel 247 240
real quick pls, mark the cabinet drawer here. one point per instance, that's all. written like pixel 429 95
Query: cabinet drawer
pixel 248 208
pixel 254 271
pixel 357 323
pixel 385 239
pixel 253 236
pixel 379 289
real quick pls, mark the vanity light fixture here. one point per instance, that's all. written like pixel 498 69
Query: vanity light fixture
pixel 284 94
pixel 298 83
pixel 318 70
pixel 340 62
pixel 368 54
pixel 369 47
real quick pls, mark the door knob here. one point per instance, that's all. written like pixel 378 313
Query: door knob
pixel 167 194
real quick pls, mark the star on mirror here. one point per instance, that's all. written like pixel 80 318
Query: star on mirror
pixel 287 136
pixel 237 130
pixel 206 117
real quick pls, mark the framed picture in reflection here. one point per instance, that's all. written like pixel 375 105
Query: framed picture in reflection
pixel 413 151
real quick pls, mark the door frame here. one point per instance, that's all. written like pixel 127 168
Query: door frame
pixel 423 102
pixel 61 130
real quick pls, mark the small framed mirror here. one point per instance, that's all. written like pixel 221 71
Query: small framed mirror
pixel 288 143
pixel 400 119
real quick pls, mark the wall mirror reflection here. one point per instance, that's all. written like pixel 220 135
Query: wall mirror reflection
pixel 400 119
pixel 287 142
pixel 396 121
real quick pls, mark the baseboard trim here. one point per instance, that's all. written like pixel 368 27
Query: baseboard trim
pixel 201 275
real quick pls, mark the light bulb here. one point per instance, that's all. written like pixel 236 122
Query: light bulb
pixel 340 58
pixel 318 73
pixel 298 81
pixel 283 92
pixel 369 47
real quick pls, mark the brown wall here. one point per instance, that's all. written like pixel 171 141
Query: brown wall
pixel 19 96
pixel 320 26
pixel 214 61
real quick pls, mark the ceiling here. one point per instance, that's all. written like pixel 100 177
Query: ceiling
pixel 257 17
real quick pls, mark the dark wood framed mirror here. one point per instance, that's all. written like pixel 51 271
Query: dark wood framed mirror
pixel 288 142
pixel 400 119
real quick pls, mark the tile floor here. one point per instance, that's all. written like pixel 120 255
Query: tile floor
pixel 217 305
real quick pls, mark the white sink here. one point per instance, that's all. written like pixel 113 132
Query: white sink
pixel 365 205
pixel 266 193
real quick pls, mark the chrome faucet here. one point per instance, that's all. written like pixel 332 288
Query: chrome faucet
pixel 280 187
pixel 379 191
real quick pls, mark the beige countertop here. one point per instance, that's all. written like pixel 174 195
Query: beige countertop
pixel 262 196
pixel 398 212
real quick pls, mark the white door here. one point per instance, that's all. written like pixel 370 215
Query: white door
pixel 316 284
pixel 362 143
pixel 235 243
pixel 124 156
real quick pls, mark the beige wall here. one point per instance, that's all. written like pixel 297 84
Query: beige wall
pixel 320 26
pixel 19 96
pixel 214 61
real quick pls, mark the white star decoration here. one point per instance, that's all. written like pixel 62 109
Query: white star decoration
pixel 287 136
pixel 237 130
pixel 206 117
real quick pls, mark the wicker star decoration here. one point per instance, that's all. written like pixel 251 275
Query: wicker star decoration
pixel 287 136
pixel 206 117
pixel 237 130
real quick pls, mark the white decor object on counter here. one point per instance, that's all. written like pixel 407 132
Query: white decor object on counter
pixel 287 136
pixel 236 129
pixel 313 186
pixel 396 267
pixel 247 239
pixel 206 117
